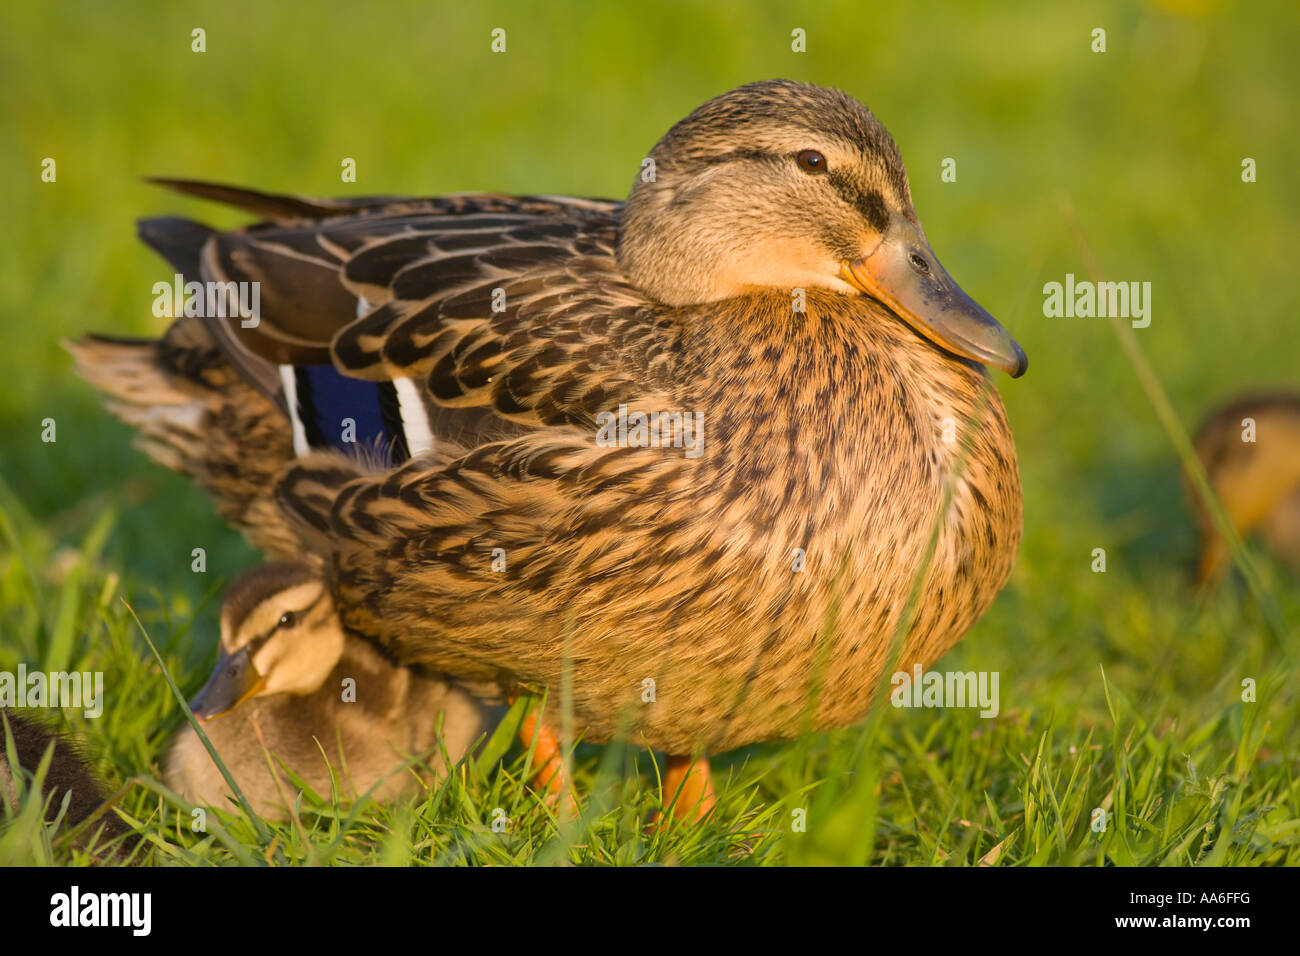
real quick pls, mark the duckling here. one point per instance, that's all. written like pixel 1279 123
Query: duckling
pixel 1250 449
pixel 482 405
pixel 319 698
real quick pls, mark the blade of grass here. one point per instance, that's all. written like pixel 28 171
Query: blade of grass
pixel 258 825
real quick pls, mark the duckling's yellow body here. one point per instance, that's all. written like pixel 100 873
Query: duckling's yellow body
pixel 293 691
pixel 323 739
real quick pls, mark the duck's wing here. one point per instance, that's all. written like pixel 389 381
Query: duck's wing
pixel 524 325
pixel 453 319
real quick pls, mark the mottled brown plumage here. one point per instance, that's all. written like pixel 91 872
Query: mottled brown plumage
pixel 655 566
pixel 730 285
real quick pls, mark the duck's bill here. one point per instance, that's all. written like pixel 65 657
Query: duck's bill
pixel 904 274
pixel 233 682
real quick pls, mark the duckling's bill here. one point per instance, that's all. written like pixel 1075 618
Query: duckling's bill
pixel 234 680
pixel 904 273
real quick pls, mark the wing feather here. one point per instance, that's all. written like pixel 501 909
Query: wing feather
pixel 506 313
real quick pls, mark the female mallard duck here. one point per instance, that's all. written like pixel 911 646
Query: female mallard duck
pixel 1250 449
pixel 685 456
pixel 292 682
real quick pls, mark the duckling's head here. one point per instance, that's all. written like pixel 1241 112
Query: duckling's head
pixel 280 634
pixel 787 185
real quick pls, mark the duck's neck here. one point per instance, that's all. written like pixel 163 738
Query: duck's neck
pixel 844 431
pixel 680 247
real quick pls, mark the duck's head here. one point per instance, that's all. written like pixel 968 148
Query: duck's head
pixel 787 185
pixel 280 634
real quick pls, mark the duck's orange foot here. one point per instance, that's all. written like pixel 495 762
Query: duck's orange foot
pixel 548 765
pixel 688 791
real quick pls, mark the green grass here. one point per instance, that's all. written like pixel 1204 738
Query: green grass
pixel 1120 690
pixel 1160 739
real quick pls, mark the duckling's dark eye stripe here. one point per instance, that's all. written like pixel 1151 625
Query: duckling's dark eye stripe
pixel 870 204
pixel 255 644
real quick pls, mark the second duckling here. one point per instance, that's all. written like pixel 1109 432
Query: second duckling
pixel 318 698
pixel 1250 448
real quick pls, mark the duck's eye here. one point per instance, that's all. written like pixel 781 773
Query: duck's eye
pixel 811 161
pixel 919 264
pixel 287 619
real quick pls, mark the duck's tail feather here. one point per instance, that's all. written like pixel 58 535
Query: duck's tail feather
pixel 179 241
pixel 166 410
pixel 196 415
pixel 274 206
pixel 182 242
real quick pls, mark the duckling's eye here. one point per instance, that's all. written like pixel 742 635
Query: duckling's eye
pixel 287 619
pixel 811 161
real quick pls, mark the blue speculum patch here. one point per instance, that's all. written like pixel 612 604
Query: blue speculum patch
pixel 348 414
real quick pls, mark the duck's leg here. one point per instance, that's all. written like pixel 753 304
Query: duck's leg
pixel 548 762
pixel 688 789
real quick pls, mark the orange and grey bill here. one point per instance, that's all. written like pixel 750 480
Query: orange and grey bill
pixel 234 680
pixel 904 274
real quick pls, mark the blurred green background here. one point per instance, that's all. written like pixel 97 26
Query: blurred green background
pixel 1145 141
